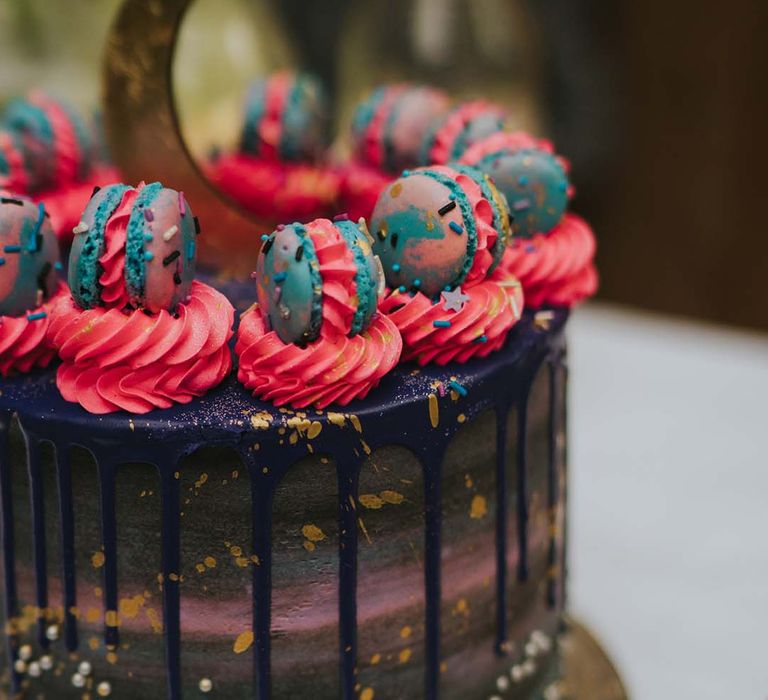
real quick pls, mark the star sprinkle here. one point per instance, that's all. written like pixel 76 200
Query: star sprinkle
pixel 454 300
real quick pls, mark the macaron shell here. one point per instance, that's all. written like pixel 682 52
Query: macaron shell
pixel 29 251
pixel 169 251
pixel 289 286
pixel 88 246
pixel 409 231
pixel 535 185
pixel 304 121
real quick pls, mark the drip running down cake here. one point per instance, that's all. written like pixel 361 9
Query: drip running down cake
pixel 355 488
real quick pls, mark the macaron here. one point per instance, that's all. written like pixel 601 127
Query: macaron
pixel 55 140
pixel 286 118
pixel 459 129
pixel 29 255
pixel 143 240
pixel 535 185
pixel 318 278
pixel 439 227
pixel 390 125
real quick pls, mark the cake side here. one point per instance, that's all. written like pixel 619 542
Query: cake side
pixel 388 550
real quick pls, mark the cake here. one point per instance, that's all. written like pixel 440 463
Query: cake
pixel 371 505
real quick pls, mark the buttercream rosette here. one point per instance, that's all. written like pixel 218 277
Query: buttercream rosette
pixel 315 337
pixel 441 233
pixel 551 251
pixel 138 332
pixel 29 284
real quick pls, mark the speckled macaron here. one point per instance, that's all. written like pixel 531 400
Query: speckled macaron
pixel 286 118
pixel 55 140
pixel 29 254
pixel 315 274
pixel 435 228
pixel 153 233
pixel 535 184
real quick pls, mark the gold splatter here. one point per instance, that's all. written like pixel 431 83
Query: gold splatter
pixel 468 481
pixel 177 475
pixel 443 667
pixel 92 615
pixel 479 507
pixel 313 533
pixel 111 618
pixel 131 425
pixel 130 607
pixel 355 422
pixel 98 592
pixel 261 420
pixel 314 429
pixel 210 562
pixel 405 655
pixel 255 560
pixel 366 447
pixel 97 560
pixel 392 497
pixel 93 643
pixel 309 546
pixel 235 551
pixel 235 474
pixel 154 620
pixel 365 531
pixel 242 562
pixel 366 694
pixel 203 478
pixel 396 189
pixel 461 607
pixel 111 657
pixel 200 568
pixel 434 410
pixel 406 632
pixel 461 418
pixel 375 659
pixel 370 500
pixel 336 419
pixel 243 642
pixel 293 438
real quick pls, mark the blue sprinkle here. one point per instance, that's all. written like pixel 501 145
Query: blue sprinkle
pixel 147 236
pixel 191 249
pixel 36 316
pixel 396 267
pixel 148 255
pixel 406 173
pixel 2 261
pixel 522 181
pixel 33 241
pixel 264 237
pixel 401 288
pixel 481 339
pixel 451 196
pixel 12 249
pixel 57 265
pixel 447 288
pixel 460 390
pixel 417 282
pixel 441 324
pixel 457 228
pixel 530 248
pixel 280 276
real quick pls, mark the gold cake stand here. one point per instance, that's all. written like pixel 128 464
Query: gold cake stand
pixel 146 142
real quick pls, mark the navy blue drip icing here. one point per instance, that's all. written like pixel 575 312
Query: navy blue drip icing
pixel 163 438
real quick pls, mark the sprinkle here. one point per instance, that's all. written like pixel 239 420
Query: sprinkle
pixel 521 204
pixel 82 227
pixel 481 339
pixel 36 316
pixel 434 411
pixel 530 248
pixel 12 200
pixel 446 208
pixel 280 227
pixel 395 267
pixel 441 324
pixel 148 215
pixel 36 242
pixel 190 250
pixel 2 261
pixel 182 204
pixel 12 249
pixel 515 307
pixel 170 233
pixel 95 190
pixel 147 237
pixel 299 253
pixel 278 294
pixel 267 245
pixel 456 228
pixel 441 389
pixel 148 255
pixel 264 237
pixel 176 277
pixel 458 388
pixel 454 300
pixel 254 275
pixel 382 234
pixel 197 225
pixel 58 266
pixel 401 288
pixel 341 217
pixel 417 282
pixel 168 259
pixel 393 240
pixel 452 196
pixel 280 276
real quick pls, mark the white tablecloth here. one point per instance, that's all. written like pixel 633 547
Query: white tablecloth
pixel 669 501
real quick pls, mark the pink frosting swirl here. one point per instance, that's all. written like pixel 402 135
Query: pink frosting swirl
pixel 455 123
pixel 504 141
pixel 330 370
pixel 23 342
pixel 556 268
pixel 136 362
pixel 480 327
pixel 372 144
pixel 271 125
